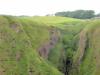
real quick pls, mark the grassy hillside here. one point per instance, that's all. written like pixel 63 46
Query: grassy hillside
pixel 87 56
pixel 49 46
pixel 18 44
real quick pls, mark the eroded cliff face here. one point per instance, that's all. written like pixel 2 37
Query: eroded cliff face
pixel 82 44
pixel 45 48
pixel 86 60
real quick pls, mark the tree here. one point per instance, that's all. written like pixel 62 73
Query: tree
pixel 80 14
pixel 98 15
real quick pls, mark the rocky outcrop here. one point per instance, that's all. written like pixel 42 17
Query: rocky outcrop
pixel 45 48
pixel 82 45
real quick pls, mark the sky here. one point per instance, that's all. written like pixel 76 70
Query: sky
pixel 44 7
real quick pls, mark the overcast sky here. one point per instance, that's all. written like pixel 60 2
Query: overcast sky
pixel 43 7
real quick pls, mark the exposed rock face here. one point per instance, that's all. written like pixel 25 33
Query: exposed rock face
pixel 47 46
pixel 82 45
pixel 15 27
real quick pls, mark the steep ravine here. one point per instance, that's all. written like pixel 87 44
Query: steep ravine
pixel 46 48
pixel 29 47
pixel 73 63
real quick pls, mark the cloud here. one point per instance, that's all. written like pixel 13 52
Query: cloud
pixel 43 7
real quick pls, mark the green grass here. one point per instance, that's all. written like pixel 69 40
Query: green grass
pixel 18 47
pixel 90 60
pixel 21 37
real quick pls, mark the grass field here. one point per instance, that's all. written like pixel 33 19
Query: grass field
pixel 61 40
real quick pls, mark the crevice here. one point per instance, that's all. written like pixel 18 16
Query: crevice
pixel 68 65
